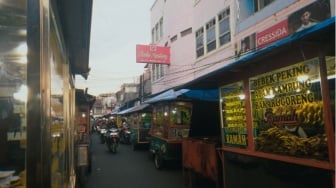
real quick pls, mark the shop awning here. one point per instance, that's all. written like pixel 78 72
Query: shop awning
pixel 84 98
pixel 135 109
pixel 185 94
pixel 75 17
pixel 324 32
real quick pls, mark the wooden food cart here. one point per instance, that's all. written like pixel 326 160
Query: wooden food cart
pixel 171 121
pixel 139 120
pixel 200 160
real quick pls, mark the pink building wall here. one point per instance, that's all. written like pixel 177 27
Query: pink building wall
pixel 180 15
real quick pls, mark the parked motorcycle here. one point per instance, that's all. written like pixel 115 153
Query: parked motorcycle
pixel 125 136
pixel 112 139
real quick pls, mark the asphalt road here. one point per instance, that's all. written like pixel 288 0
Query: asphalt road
pixel 129 169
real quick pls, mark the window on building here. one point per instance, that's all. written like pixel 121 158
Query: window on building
pixel 224 27
pixel 161 27
pixel 199 42
pixel 154 72
pixel 157 36
pixel 157 71
pixel 211 35
pixel 153 35
pixel 248 8
pixel 174 38
pixel 186 32
pixel 157 31
pixel 217 29
pixel 161 71
pixel 260 4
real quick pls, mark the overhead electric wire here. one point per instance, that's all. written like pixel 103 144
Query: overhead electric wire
pixel 188 71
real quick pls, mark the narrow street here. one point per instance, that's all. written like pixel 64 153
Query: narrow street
pixel 129 169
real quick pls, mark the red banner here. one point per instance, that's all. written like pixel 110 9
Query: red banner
pixel 272 34
pixel 152 54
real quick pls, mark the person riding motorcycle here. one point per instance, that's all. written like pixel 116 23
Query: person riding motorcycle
pixel 124 128
pixel 109 125
pixel 124 123
pixel 112 135
pixel 112 123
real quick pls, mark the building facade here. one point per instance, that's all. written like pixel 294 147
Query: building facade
pixel 203 36
pixel 105 103
pixel 273 63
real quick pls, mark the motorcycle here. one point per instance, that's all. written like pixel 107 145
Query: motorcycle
pixel 112 139
pixel 125 136
pixel 102 132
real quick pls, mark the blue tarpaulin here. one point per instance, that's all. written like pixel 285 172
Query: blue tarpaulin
pixel 134 109
pixel 170 95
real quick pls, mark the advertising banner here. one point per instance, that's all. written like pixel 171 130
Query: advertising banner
pixel 309 16
pixel 272 34
pixel 152 54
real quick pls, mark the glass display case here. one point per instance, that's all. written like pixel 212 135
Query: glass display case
pixel 13 94
pixel 281 118
pixel 140 124
pixel 171 120
pixel 287 111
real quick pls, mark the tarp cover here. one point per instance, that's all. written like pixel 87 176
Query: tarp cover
pixel 170 95
pixel 134 109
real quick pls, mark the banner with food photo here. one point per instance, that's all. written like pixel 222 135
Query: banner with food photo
pixel 309 16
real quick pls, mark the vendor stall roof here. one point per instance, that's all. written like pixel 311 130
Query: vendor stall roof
pixel 141 107
pixel 324 32
pixel 185 94
pixel 124 111
pixel 134 109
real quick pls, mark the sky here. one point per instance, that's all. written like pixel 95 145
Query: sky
pixel 116 28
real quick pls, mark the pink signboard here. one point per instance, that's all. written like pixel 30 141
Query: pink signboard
pixel 152 54
pixel 272 34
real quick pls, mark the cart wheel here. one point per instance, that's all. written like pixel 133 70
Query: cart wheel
pixel 109 147
pixel 135 146
pixel 114 148
pixel 158 161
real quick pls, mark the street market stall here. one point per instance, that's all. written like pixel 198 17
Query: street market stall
pixel 171 119
pixel 83 131
pixel 176 116
pixel 277 108
pixel 139 119
pixel 200 162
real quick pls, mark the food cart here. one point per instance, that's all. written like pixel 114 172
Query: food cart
pixel 200 161
pixel 176 116
pixel 139 120
pixel 171 119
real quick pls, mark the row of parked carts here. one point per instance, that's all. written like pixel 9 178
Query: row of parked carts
pixel 181 126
